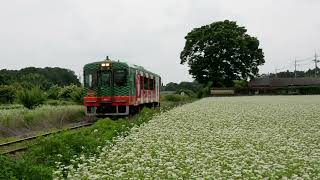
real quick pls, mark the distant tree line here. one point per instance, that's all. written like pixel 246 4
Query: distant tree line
pixel 189 88
pixel 193 86
pixel 291 74
pixel 34 86
pixel 41 77
pixel 196 89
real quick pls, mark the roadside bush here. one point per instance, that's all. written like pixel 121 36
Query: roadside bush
pixel 71 92
pixel 205 91
pixel 54 102
pixel 239 84
pixel 12 169
pixel 187 92
pixel 53 92
pixel 7 94
pixel 31 98
pixel 77 96
pixel 241 87
pixel 173 97
pixel 7 168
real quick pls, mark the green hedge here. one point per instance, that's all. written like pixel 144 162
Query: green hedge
pixel 309 90
pixel 7 94
pixel 173 97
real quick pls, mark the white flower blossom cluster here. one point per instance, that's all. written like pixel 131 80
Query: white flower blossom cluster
pixel 273 137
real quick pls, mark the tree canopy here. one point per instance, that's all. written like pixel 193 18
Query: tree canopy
pixel 221 52
pixel 291 74
pixel 41 77
pixel 192 86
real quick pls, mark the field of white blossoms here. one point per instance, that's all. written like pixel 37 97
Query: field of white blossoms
pixel 227 137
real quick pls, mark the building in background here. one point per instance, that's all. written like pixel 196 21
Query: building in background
pixel 306 85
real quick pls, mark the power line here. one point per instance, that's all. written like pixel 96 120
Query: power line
pixel 302 65
pixel 285 67
pixel 299 63
pixel 305 64
pixel 276 71
pixel 295 68
pixel 304 59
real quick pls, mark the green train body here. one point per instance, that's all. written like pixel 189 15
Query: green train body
pixel 118 88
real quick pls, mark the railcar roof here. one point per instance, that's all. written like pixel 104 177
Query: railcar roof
pixel 140 68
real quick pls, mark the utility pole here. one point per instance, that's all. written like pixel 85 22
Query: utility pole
pixel 276 72
pixel 315 64
pixel 80 79
pixel 295 68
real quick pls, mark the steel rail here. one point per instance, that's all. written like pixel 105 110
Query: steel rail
pixel 36 136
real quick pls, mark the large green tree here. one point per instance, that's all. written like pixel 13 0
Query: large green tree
pixel 222 52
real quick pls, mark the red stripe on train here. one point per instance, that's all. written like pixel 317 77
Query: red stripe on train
pixel 112 100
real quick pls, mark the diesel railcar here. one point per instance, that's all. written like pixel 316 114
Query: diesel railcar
pixel 115 88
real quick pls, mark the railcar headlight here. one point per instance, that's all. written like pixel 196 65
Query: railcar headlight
pixel 103 65
pixel 107 64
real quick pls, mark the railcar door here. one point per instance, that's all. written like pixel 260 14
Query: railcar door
pixel 157 89
pixel 138 88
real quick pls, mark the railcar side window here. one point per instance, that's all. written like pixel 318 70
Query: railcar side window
pixel 151 81
pixel 146 83
pixel 120 78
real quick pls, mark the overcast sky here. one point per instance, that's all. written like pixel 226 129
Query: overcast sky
pixel 71 33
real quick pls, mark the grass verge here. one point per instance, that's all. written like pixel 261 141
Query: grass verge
pixel 14 122
pixel 10 106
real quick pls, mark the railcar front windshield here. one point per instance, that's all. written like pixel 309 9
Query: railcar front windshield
pixel 119 77
pixel 89 80
pixel 106 79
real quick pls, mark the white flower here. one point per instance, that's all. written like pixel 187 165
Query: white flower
pixel 217 138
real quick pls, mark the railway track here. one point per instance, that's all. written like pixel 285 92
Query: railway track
pixel 23 140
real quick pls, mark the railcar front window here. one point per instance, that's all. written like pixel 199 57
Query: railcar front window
pixel 120 78
pixel 88 80
pixel 105 79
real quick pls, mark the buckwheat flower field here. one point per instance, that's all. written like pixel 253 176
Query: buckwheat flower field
pixel 229 137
